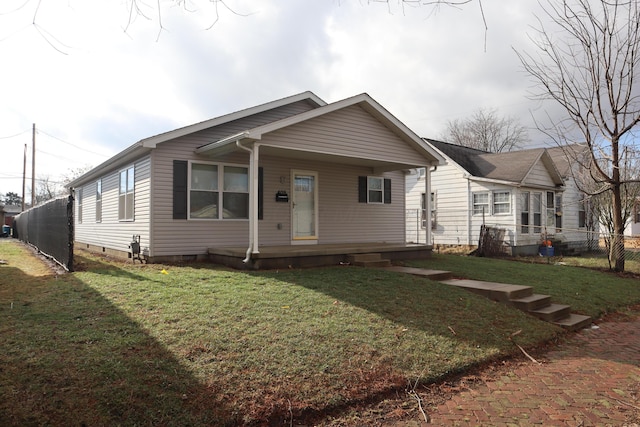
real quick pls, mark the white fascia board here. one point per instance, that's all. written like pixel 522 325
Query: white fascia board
pixel 513 184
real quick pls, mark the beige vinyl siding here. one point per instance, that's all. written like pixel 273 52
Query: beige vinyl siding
pixel 190 237
pixel 111 233
pixel 341 219
pixel 350 132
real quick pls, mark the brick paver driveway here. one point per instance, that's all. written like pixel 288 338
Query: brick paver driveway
pixel 593 379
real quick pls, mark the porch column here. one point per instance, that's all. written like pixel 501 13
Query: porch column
pixel 253 204
pixel 427 197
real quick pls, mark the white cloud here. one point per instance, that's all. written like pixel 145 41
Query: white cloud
pixel 113 88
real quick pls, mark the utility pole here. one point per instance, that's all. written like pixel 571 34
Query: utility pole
pixel 24 175
pixel 33 166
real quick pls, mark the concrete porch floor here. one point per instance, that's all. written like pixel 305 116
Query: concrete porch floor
pixel 300 256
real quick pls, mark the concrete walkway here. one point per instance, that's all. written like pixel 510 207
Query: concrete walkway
pixel 593 379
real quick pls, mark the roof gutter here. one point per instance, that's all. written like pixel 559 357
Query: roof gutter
pixel 224 142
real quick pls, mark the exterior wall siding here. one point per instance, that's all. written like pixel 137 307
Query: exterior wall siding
pixel 451 206
pixel 110 232
pixel 539 176
pixel 350 132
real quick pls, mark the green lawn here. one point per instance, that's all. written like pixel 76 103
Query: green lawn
pixel 587 291
pixel 118 344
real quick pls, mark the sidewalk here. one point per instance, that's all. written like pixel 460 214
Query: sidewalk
pixel 593 379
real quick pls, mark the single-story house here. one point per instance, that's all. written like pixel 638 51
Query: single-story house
pixel 7 213
pixel 523 192
pixel 293 176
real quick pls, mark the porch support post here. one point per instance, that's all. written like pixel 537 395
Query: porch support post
pixel 253 192
pixel 427 197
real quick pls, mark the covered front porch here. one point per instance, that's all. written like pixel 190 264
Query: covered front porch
pixel 301 256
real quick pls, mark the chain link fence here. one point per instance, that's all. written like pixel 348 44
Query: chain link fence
pixel 459 228
pixel 49 228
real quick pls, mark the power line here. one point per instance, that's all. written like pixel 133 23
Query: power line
pixel 69 143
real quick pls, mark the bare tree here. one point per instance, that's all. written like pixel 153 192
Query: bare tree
pixel 586 62
pixel 485 130
pixel 47 189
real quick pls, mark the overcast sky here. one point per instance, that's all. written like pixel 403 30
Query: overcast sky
pixel 93 89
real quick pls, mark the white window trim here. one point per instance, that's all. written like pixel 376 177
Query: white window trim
pixel 381 179
pixel 99 198
pixel 473 203
pixel 80 204
pixel 132 191
pixel 219 190
pixel 494 203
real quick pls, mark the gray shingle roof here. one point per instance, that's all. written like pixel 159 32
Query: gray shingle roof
pixel 512 166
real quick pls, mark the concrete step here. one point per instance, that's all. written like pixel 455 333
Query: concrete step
pixel 437 275
pixel 552 313
pixel 368 260
pixel 353 258
pixel 496 291
pixel 532 302
pixel 373 264
pixel 574 322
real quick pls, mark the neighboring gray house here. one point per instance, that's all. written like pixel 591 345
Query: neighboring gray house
pixel 522 192
pixel 293 173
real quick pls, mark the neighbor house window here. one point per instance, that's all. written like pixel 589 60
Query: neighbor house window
pixel 125 199
pixel 501 202
pixel 423 211
pixel 558 212
pixel 480 203
pixel 554 210
pixel 636 216
pixel 79 205
pixel 582 213
pixel 524 212
pixel 213 186
pixel 99 200
pixel 536 207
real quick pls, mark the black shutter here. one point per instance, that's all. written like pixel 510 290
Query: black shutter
pixel 362 189
pixel 387 190
pixel 180 174
pixel 260 193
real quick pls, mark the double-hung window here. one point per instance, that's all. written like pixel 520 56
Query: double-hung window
pixel 536 206
pixel 501 202
pixel 480 203
pixel 375 189
pixel 582 213
pixel 99 200
pixel 80 205
pixel 126 194
pixel 218 192
pixel 524 212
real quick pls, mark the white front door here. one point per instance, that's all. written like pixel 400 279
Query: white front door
pixel 304 207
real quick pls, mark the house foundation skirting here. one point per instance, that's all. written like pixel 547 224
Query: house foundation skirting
pixel 281 257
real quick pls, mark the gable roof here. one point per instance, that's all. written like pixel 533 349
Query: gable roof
pixel 318 108
pixel 145 145
pixel 510 167
pixel 363 100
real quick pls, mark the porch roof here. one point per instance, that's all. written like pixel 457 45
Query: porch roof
pixel 251 137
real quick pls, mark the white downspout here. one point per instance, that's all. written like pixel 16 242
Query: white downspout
pixel 253 200
pixel 427 227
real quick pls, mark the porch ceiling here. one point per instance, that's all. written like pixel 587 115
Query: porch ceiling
pixel 377 165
